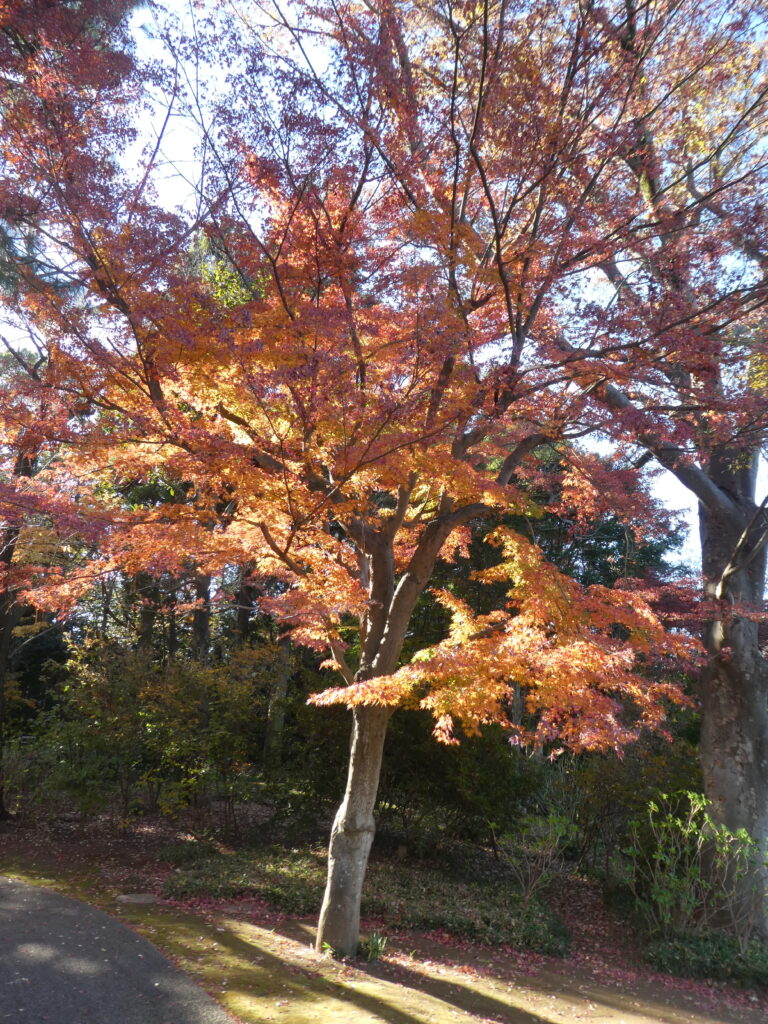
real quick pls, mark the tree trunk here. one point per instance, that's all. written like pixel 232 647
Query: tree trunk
pixel 382 636
pixel 246 600
pixel 9 613
pixel 734 683
pixel 201 620
pixel 352 834
pixel 273 740
pixel 145 587
pixel 6 626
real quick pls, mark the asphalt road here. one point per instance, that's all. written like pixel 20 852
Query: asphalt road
pixel 63 962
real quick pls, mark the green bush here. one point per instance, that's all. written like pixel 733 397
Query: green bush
pixel 534 852
pixel 373 947
pixel 185 853
pixel 715 955
pixel 430 792
pixel 56 771
pixel 611 792
pixel 691 875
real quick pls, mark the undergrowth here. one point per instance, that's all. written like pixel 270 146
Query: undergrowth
pixel 397 894
pixel 715 956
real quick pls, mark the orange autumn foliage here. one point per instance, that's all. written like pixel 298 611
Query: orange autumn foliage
pixel 582 656
pixel 377 309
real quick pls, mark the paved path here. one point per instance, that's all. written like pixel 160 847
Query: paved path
pixel 63 962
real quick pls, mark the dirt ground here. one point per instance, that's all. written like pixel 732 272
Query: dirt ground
pixel 260 964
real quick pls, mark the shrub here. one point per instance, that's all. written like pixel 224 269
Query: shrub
pixel 534 853
pixel 182 854
pixel 714 955
pixel 373 947
pixel 691 875
pixel 612 792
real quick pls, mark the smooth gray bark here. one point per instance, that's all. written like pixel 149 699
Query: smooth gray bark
pixel 352 834
pixel 734 682
pixel 383 634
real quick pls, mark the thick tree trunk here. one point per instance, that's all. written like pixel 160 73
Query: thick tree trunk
pixel 734 683
pixel 352 834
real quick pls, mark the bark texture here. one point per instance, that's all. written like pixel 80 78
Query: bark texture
pixel 383 630
pixel 734 683
pixel 352 834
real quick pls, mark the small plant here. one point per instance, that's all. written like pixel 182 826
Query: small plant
pixel 691 875
pixel 373 947
pixel 188 852
pixel 534 854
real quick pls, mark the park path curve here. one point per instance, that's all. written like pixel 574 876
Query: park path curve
pixel 63 962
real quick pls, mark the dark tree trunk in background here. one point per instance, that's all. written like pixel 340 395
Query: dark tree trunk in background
pixel 8 619
pixel 246 600
pixel 146 591
pixel 734 683
pixel 201 620
pixel 273 740
pixel 173 630
pixel 9 610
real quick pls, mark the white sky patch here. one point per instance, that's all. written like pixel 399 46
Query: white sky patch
pixel 668 489
pixel 674 496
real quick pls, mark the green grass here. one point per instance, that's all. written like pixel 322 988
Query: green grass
pixel 399 896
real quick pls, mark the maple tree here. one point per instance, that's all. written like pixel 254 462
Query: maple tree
pixel 51 56
pixel 384 299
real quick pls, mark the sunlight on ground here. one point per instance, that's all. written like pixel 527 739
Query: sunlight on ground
pixel 272 974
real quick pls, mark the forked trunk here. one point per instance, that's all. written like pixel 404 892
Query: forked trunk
pixel 352 834
pixel 734 692
pixel 383 631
